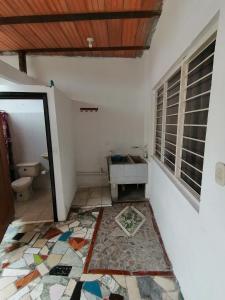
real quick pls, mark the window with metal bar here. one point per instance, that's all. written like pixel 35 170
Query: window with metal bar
pixel 199 79
pixel 182 117
pixel 171 121
pixel 159 117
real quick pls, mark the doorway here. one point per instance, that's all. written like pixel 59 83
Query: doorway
pixel 28 146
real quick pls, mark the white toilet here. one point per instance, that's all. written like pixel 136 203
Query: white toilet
pixel 23 186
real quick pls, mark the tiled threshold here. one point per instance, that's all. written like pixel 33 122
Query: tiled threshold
pixel 93 197
pixel 46 261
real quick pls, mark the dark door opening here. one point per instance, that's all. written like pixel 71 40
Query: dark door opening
pixel 41 97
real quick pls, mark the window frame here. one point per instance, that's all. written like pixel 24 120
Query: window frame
pixel 182 64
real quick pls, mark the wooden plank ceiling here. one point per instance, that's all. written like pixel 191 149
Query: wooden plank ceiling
pixel 44 37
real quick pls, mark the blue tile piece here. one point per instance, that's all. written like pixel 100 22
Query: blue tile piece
pixel 93 287
pixel 65 236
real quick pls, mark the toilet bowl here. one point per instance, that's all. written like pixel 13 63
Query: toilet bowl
pixel 23 186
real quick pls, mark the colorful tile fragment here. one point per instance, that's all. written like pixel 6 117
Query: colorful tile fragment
pixel 93 287
pixel 18 236
pixel 37 259
pixel 78 243
pixel 60 270
pixel 52 232
pixel 27 279
pixel 65 236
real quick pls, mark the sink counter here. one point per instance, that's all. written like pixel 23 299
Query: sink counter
pixel 127 170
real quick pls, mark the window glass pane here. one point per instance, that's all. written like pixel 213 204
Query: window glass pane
pixel 172 110
pixel 204 69
pixel 158 140
pixel 194 186
pixel 173 90
pixel 170 156
pixel 159 120
pixel 191 172
pixel 171 129
pixel 200 102
pixel 158 134
pixel 157 154
pixel 160 107
pixel 169 165
pixel 204 54
pixel 159 127
pixel 174 78
pixel 193 159
pixel 200 87
pixel 195 132
pixel 199 117
pixel 170 147
pixel 173 100
pixel 160 100
pixel 194 146
pixel 160 91
pixel 171 120
pixel 158 148
pixel 171 138
pixel 159 113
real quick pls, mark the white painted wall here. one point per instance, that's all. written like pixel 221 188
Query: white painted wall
pixel 11 76
pixel 66 147
pixel 194 241
pixel 27 128
pixel 116 86
pixel 97 133
pixel 64 183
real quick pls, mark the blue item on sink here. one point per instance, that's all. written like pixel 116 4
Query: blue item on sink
pixel 116 158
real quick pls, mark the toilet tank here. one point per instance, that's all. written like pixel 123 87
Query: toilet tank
pixel 29 169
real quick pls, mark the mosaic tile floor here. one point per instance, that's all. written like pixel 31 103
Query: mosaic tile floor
pixel 46 261
pixel 114 250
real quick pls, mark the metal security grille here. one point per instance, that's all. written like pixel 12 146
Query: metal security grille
pixel 182 104
pixel 172 107
pixel 199 79
pixel 159 116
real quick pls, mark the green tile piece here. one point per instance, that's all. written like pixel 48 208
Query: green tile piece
pixel 37 259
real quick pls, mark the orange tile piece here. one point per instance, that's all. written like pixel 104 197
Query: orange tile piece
pixel 52 232
pixel 77 243
pixel 27 279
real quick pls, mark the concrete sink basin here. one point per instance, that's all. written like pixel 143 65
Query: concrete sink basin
pixel 127 169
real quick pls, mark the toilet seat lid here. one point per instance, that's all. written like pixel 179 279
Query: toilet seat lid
pixel 23 181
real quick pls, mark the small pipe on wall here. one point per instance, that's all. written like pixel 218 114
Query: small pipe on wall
pixel 92 173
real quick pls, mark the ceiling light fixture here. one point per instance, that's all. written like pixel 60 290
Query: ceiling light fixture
pixel 90 41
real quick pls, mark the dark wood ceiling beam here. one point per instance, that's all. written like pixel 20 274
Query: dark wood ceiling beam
pixel 79 17
pixel 84 49
pixel 22 61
